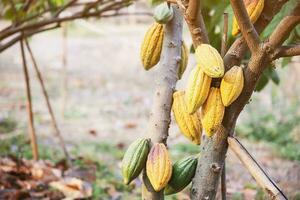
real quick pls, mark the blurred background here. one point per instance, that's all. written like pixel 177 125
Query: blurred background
pixel 102 96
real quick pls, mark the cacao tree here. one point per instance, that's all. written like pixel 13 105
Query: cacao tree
pixel 219 87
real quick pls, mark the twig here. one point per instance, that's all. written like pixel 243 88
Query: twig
pixel 255 170
pixel 284 28
pixel 287 51
pixel 32 134
pixel 64 88
pixel 245 25
pixel 223 52
pixel 46 96
pixel 224 36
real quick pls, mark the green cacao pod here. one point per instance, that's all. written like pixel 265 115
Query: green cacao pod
pixel 152 46
pixel 182 175
pixel 163 13
pixel 135 159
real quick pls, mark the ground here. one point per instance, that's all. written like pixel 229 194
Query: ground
pixel 106 106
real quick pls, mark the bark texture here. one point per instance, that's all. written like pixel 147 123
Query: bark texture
pixel 160 116
pixel 213 150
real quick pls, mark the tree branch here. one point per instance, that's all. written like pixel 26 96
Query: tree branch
pixel 284 28
pixel 287 51
pixel 49 107
pixel 196 25
pixel 31 128
pixel 239 48
pixel 246 27
pixel 160 116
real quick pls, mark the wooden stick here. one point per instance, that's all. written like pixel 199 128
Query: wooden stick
pixel 31 128
pixel 255 170
pixel 49 107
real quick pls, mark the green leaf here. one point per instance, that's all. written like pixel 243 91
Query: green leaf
pixel 262 82
pixel 285 61
pixel 274 76
pixel 155 2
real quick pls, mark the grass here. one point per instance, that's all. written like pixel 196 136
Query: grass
pixel 278 130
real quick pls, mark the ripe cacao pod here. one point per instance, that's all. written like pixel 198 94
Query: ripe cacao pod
pixel 134 159
pixel 184 60
pixel 232 85
pixel 182 174
pixel 212 112
pixel 210 60
pixel 163 13
pixel 189 124
pixel 159 166
pixel 152 46
pixel 254 9
pixel 197 89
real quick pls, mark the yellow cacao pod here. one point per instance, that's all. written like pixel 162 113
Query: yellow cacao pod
pixel 232 85
pixel 184 60
pixel 210 60
pixel 159 166
pixel 189 124
pixel 197 89
pixel 254 9
pixel 212 112
pixel 152 46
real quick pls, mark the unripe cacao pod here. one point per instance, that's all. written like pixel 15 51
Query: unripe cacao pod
pixel 210 60
pixel 184 60
pixel 182 174
pixel 152 46
pixel 212 112
pixel 232 85
pixel 254 9
pixel 159 166
pixel 163 13
pixel 197 89
pixel 134 159
pixel 189 124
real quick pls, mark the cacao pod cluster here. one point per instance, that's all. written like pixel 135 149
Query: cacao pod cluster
pixel 159 169
pixel 254 9
pixel 203 105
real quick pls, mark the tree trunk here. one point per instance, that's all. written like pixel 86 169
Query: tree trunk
pixel 160 117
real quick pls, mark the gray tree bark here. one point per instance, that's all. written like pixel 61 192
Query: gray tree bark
pixel 160 116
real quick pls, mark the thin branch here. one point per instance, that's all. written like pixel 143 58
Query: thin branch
pixel 192 9
pixel 255 170
pixel 285 27
pixel 287 51
pixel 70 3
pixel 31 128
pixel 239 48
pixel 26 34
pixel 223 52
pixel 224 36
pixel 245 25
pixel 49 107
pixel 196 25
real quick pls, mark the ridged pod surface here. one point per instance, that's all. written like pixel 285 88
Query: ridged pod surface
pixel 210 60
pixel 232 85
pixel 134 159
pixel 212 112
pixel 197 89
pixel 159 166
pixel 182 174
pixel 152 46
pixel 184 60
pixel 163 13
pixel 189 124
pixel 254 9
